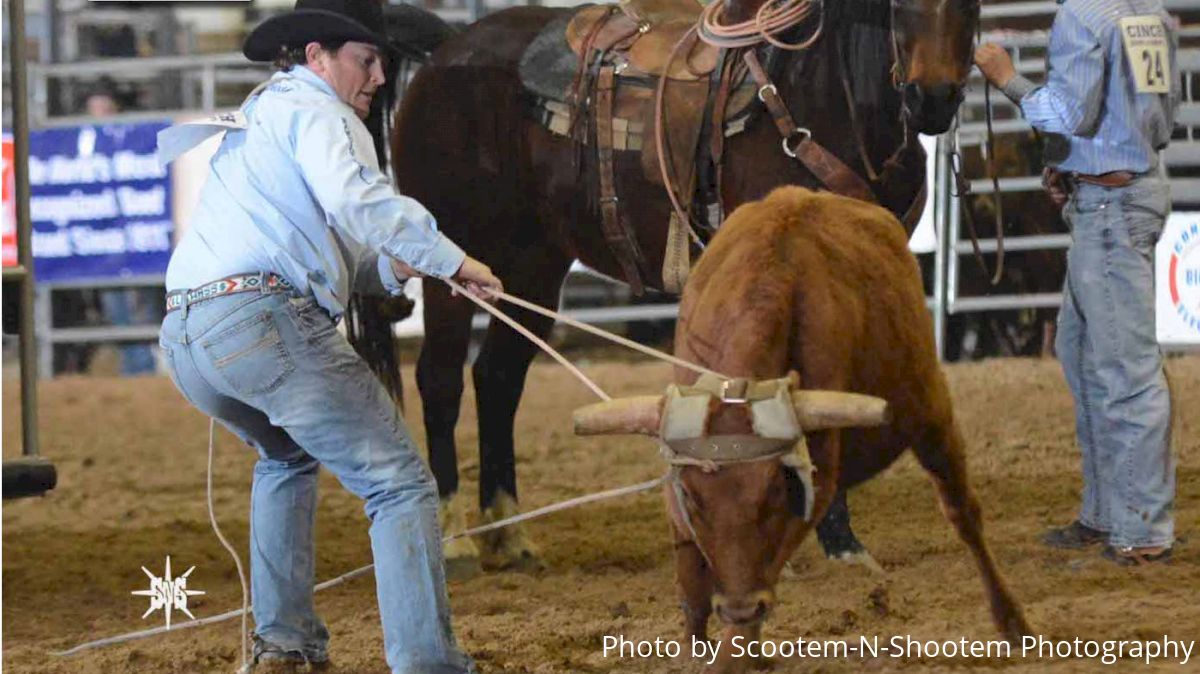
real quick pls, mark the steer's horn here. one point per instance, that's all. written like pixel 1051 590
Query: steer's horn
pixel 640 414
pixel 820 410
pixel 815 410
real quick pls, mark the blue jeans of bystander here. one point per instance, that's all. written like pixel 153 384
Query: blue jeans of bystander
pixel 1112 362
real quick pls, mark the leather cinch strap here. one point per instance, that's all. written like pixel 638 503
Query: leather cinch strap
pixel 621 241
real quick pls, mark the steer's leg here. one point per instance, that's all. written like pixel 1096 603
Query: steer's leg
pixel 941 453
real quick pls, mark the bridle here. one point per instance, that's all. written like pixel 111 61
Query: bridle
pixel 961 186
pixel 899 63
pixel 899 70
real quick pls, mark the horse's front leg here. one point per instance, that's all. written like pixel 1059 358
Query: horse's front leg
pixel 499 376
pixel 440 381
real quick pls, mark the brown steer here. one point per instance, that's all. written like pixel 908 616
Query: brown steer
pixel 823 286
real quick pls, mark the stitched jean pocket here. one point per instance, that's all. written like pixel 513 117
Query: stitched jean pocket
pixel 250 355
pixel 1145 208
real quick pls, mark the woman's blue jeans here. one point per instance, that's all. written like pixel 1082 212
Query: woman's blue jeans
pixel 274 370
pixel 1112 362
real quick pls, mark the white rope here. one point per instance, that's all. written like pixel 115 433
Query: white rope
pixel 674 360
pixel 531 337
pixel 563 505
pixel 540 512
pixel 212 517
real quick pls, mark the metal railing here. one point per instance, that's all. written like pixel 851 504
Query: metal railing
pixel 202 75
pixel 32 474
pixel 49 334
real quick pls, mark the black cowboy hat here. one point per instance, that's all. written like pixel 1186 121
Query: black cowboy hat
pixel 317 21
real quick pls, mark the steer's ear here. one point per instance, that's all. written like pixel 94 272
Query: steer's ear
pixel 796 497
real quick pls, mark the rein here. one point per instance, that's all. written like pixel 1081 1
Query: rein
pixel 962 186
pixel 962 189
pixel 990 145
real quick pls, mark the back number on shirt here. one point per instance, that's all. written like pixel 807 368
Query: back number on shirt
pixel 1146 50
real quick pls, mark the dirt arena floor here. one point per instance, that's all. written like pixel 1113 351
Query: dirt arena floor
pixel 131 459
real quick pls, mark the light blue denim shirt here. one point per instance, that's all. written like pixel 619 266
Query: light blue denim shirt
pixel 1089 98
pixel 299 192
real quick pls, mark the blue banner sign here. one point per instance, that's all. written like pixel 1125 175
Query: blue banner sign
pixel 99 202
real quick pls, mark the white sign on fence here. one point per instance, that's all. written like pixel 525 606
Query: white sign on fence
pixel 1177 281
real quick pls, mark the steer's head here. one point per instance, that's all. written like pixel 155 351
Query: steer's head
pixel 742 491
pixel 739 517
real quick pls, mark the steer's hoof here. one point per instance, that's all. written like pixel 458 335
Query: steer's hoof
pixel 461 554
pixel 508 548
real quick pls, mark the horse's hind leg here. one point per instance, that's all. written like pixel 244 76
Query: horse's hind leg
pixel 838 539
pixel 941 453
pixel 499 376
pixel 440 380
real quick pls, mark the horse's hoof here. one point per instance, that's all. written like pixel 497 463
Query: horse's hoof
pixel 463 568
pixel 524 561
pixel 508 548
pixel 461 555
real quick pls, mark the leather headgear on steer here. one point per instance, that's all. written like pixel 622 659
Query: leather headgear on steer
pixel 776 429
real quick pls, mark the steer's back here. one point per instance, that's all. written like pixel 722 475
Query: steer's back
pixel 824 285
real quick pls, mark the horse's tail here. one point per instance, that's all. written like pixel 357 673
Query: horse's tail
pixel 414 33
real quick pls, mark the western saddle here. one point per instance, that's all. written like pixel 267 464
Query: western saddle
pixel 639 65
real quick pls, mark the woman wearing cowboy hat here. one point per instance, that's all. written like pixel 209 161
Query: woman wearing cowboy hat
pixel 296 211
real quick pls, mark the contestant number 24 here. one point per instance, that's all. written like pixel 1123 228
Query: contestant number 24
pixel 1147 51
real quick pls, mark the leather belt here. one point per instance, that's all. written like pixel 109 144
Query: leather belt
pixel 265 282
pixel 1110 179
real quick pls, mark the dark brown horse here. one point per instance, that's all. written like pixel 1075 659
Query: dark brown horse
pixel 526 202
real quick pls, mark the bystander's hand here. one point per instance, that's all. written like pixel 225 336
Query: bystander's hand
pixel 1052 182
pixel 479 279
pixel 995 63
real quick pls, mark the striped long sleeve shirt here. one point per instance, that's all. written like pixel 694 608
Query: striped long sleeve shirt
pixel 1096 120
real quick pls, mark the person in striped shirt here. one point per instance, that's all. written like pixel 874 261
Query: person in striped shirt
pixel 1106 110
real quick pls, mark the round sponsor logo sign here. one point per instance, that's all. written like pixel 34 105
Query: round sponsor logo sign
pixel 1183 274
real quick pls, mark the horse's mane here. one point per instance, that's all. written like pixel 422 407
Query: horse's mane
pixel 862 30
